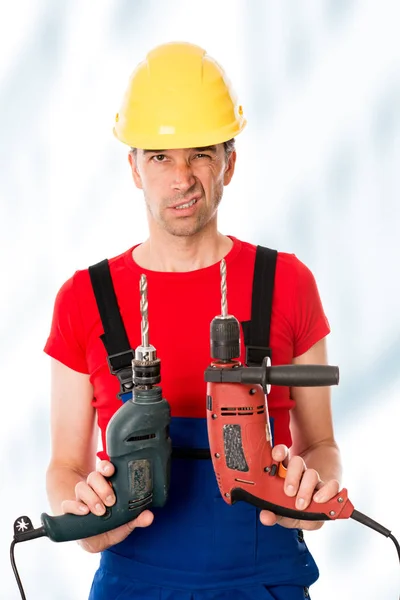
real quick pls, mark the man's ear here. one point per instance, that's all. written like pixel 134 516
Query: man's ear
pixel 135 172
pixel 230 167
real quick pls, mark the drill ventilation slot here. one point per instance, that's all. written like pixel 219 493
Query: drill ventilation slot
pixel 241 411
pixel 245 481
pixel 142 502
pixel 139 438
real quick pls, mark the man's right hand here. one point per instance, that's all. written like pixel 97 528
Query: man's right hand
pixel 94 495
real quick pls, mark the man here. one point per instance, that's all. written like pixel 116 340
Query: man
pixel 180 117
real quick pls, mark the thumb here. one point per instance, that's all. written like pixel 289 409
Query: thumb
pixel 143 520
pixel 280 452
pixel 120 533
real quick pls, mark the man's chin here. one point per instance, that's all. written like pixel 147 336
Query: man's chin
pixel 184 229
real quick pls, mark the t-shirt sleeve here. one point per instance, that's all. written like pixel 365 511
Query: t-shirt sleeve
pixel 310 321
pixel 66 341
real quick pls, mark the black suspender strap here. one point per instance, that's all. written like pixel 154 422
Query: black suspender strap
pixel 114 338
pixel 257 330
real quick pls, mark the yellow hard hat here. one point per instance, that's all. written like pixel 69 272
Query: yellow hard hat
pixel 178 97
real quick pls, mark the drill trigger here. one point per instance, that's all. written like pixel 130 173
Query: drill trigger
pixel 282 470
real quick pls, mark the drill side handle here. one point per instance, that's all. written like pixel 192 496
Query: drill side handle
pixel 302 375
pixel 285 375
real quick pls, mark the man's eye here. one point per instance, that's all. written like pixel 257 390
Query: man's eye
pixel 201 155
pixel 158 157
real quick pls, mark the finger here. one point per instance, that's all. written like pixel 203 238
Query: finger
pixel 102 487
pixel 120 533
pixel 268 518
pixel 327 491
pixel 144 519
pixel 294 473
pixel 306 488
pixel 280 452
pixel 86 495
pixel 105 467
pixel 74 507
pixel 310 525
pixel 98 543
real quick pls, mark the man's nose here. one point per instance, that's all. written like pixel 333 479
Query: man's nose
pixel 183 177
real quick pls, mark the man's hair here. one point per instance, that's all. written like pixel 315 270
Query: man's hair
pixel 229 147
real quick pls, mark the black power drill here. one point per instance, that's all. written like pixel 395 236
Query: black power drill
pixel 139 447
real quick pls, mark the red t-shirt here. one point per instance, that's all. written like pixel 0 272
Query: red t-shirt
pixel 181 307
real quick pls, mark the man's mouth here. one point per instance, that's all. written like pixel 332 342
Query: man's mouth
pixel 186 204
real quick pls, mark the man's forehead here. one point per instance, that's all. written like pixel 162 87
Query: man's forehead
pixel 213 149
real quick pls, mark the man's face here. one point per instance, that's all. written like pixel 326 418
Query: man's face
pixel 182 188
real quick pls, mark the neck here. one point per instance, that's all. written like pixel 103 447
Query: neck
pixel 182 253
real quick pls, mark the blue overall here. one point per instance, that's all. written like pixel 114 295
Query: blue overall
pixel 200 548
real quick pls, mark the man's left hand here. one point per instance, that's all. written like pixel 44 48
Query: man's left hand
pixel 303 483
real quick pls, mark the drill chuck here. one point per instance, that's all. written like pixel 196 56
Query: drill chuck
pixel 225 338
pixel 146 373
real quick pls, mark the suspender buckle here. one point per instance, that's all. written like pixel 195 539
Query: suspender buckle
pixel 120 360
pixel 256 354
pixel 120 364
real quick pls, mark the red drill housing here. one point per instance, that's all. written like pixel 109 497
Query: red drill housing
pixel 241 447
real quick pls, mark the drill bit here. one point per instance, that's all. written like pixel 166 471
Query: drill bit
pixel 224 328
pixel 224 302
pixel 145 352
pixel 144 305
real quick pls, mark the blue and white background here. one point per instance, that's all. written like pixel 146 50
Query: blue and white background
pixel 317 174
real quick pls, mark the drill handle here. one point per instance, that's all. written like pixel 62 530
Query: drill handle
pixel 338 507
pixel 291 375
pixel 140 480
pixel 68 527
pixel 265 375
pixel 303 375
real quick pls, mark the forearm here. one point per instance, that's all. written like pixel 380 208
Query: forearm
pixel 325 459
pixel 60 485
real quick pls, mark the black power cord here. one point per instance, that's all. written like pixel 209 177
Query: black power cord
pixel 14 568
pixel 396 543
pixel 23 531
pixel 364 520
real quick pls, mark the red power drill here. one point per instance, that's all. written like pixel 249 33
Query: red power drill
pixel 239 430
